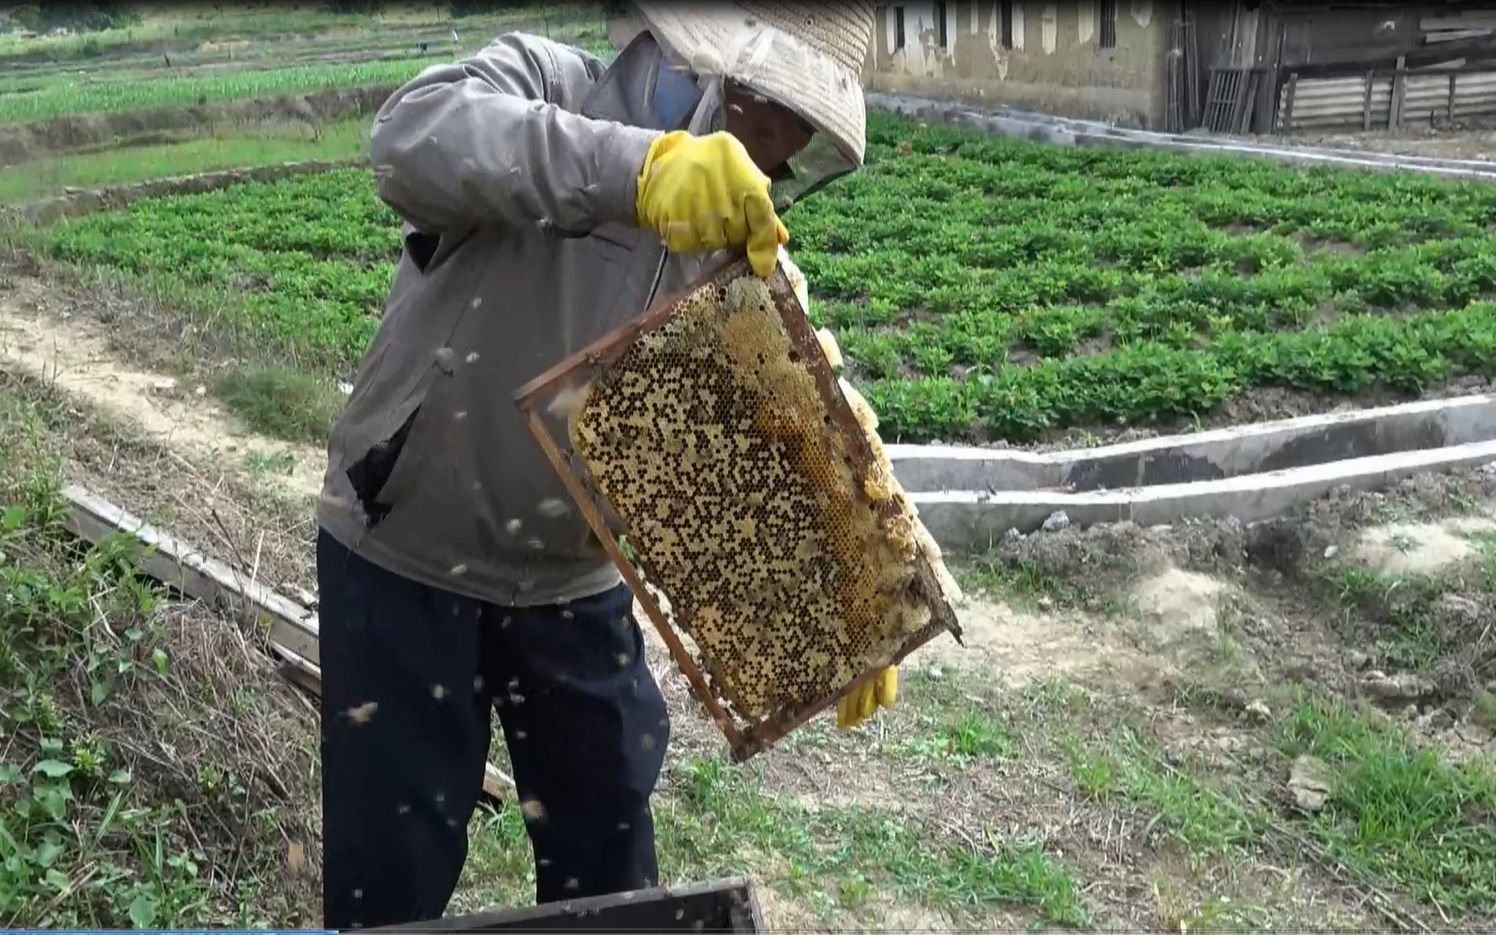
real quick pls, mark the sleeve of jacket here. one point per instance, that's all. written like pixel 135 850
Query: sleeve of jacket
pixel 493 137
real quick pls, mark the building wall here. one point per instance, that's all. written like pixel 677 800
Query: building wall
pixel 1055 64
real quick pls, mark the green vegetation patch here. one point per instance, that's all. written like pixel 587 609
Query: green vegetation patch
pixel 117 808
pixel 1202 816
pixel 1415 621
pixel 988 289
pixel 299 268
pixel 1399 812
pixel 58 100
pixel 716 820
pixel 982 288
pixel 280 402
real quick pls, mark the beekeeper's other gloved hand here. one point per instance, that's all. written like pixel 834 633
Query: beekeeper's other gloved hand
pixel 880 691
pixel 704 193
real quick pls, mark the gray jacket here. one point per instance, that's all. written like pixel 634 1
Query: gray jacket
pixel 515 171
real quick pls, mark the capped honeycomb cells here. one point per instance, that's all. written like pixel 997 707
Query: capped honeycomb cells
pixel 710 438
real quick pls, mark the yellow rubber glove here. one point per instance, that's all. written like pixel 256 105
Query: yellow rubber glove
pixel 880 691
pixel 704 193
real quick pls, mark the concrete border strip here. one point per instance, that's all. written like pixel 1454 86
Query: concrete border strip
pixel 1209 455
pixel 975 519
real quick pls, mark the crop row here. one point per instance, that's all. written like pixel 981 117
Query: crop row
pixel 304 264
pixel 982 289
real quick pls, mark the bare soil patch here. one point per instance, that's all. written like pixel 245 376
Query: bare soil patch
pixel 1421 548
pixel 74 354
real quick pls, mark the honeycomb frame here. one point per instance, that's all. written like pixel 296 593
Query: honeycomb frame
pixel 751 714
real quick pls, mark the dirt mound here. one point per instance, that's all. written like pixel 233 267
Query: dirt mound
pixel 69 134
pixel 1021 647
pixel 1421 548
pixel 1183 603
pixel 1233 608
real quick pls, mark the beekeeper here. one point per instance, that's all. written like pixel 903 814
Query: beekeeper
pixel 546 200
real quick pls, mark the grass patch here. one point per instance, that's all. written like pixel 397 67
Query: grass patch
pixel 1178 911
pixel 236 148
pixel 1019 580
pixel 713 820
pixel 1396 614
pixel 1199 814
pixel 262 464
pixel 1487 543
pixel 500 869
pixel 716 820
pixel 967 733
pixel 280 402
pixel 1484 710
pixel 1397 811
pixel 844 863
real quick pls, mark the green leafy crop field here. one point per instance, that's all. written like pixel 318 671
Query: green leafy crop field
pixel 301 266
pixel 983 289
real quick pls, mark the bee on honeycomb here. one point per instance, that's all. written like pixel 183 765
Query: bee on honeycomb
pixel 781 558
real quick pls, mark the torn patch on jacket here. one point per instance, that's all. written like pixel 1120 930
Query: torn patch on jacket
pixel 421 248
pixel 371 473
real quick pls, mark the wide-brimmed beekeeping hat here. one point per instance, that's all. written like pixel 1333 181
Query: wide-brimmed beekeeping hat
pixel 805 56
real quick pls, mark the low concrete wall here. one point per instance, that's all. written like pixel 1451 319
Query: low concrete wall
pixel 970 497
pixel 1213 455
pixel 1133 107
pixel 972 521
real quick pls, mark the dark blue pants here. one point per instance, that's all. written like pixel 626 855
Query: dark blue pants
pixel 409 676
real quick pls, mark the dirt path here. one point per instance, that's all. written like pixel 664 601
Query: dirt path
pixel 73 353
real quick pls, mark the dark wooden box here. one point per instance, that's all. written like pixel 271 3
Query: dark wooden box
pixel 724 906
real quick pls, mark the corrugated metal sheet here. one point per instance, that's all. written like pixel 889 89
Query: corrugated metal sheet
pixel 1335 102
pixel 1425 95
pixel 1326 103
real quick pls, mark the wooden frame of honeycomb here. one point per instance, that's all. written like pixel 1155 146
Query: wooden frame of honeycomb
pixel 766 539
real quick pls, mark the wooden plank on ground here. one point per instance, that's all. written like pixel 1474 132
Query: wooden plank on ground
pixel 177 564
pixel 293 628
